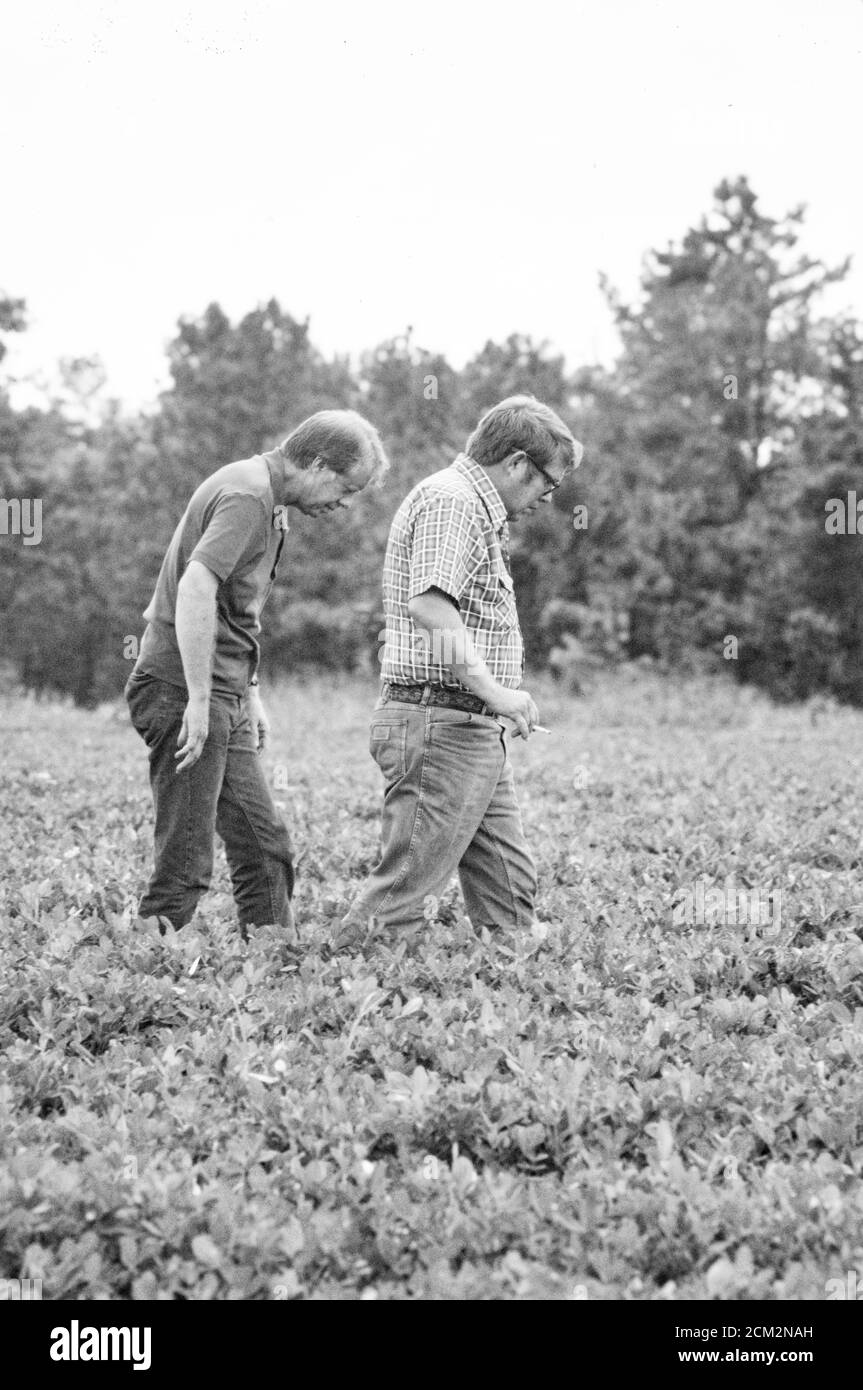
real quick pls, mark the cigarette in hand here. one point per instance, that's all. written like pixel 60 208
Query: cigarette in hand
pixel 540 729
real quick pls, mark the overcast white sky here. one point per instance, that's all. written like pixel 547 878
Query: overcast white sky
pixel 467 168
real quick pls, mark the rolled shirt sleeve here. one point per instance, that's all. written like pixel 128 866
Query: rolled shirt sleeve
pixel 447 548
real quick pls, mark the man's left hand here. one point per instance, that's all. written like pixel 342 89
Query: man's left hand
pixel 258 716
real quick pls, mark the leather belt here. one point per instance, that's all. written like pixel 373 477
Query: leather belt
pixel 437 695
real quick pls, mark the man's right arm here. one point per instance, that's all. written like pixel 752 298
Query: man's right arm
pixel 195 625
pixel 435 614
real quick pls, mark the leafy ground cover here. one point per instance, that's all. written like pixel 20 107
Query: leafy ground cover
pixel 627 1105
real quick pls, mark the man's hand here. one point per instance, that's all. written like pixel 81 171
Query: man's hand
pixel 193 731
pixel 436 616
pixel 259 718
pixel 517 705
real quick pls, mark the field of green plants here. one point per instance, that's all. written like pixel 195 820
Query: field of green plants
pixel 623 1105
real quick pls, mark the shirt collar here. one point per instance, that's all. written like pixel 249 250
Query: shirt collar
pixel 275 461
pixel 482 483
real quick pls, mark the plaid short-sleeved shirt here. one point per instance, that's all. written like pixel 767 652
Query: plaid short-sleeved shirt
pixel 450 533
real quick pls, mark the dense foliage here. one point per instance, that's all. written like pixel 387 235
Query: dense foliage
pixel 733 415
pixel 624 1105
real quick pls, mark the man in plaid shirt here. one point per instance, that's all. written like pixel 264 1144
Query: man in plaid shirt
pixel 452 665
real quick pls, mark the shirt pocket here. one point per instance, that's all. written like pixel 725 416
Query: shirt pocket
pixel 388 747
pixel 505 613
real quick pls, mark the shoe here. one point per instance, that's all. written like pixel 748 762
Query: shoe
pixel 370 935
pixel 510 941
pixel 351 934
pixel 278 937
pixel 164 924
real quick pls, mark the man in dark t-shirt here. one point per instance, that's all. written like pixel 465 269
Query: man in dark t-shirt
pixel 193 695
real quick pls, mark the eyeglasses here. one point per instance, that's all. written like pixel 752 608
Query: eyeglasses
pixel 553 482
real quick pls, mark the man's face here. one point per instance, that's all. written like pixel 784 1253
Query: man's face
pixel 529 486
pixel 326 491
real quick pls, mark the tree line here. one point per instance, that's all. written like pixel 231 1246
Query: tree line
pixel 703 530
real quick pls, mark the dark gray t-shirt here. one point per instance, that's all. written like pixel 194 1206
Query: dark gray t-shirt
pixel 233 527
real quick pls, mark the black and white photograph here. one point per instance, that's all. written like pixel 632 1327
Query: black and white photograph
pixel 431 670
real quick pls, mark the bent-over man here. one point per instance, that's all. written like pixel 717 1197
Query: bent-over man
pixel 452 667
pixel 193 695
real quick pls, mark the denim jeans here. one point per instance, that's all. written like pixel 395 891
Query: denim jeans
pixel 225 791
pixel 449 806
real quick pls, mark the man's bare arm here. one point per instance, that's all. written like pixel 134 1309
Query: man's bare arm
pixel 441 622
pixel 195 622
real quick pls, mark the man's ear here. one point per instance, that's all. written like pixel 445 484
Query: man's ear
pixel 515 459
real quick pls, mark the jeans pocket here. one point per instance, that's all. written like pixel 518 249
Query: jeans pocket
pixel 388 747
pixel 138 681
pixel 455 740
pixel 450 721
pixel 139 693
pixel 154 707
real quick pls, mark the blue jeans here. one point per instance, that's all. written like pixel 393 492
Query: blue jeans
pixel 449 806
pixel 225 791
